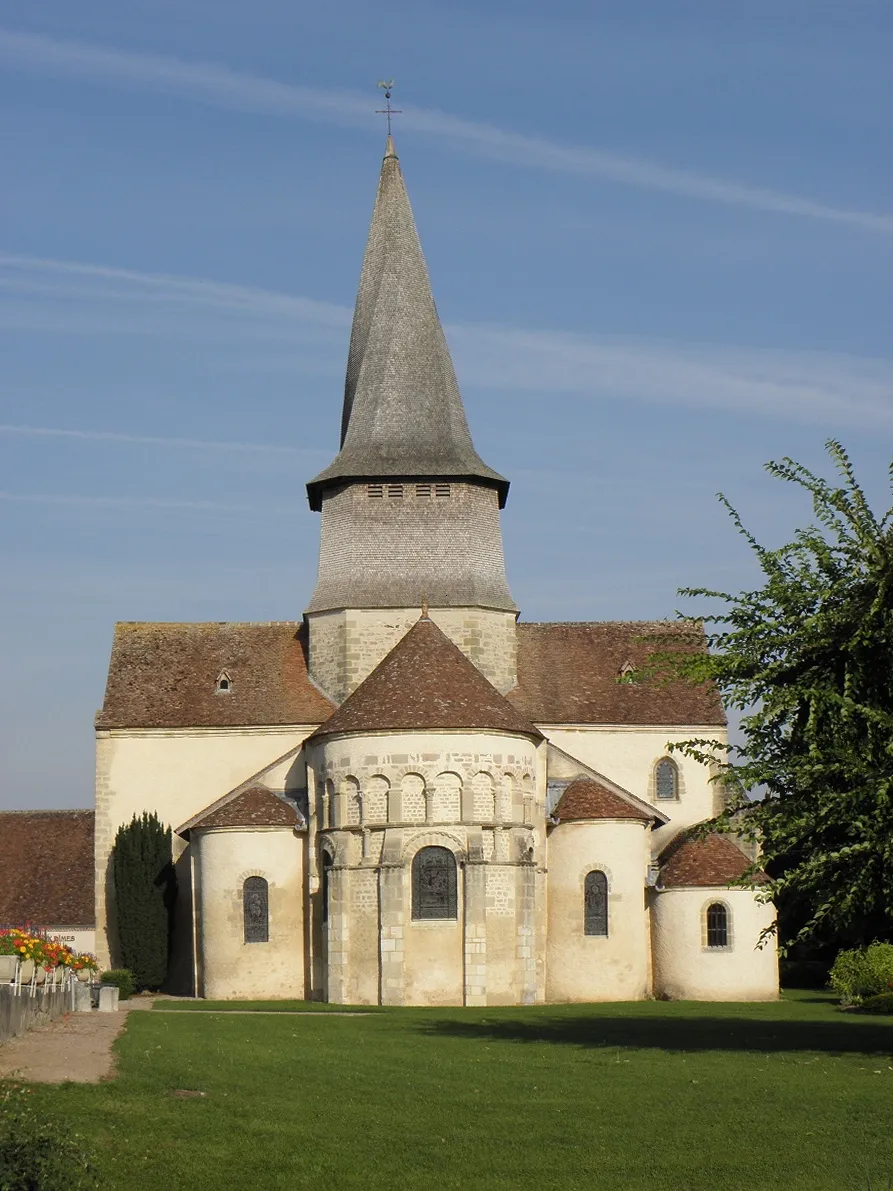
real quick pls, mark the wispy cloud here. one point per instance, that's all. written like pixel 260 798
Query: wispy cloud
pixel 819 388
pixel 152 440
pixel 218 85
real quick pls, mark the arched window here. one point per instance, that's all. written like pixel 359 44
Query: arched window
pixel 717 925
pixel 256 910
pixel 434 884
pixel 595 904
pixel 666 780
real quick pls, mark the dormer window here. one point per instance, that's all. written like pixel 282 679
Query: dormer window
pixel 224 684
pixel 627 672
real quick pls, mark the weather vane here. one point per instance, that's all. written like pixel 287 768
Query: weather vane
pixel 387 110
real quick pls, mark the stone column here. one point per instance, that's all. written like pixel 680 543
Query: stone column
pixel 337 936
pixel 391 918
pixel 526 932
pixel 475 924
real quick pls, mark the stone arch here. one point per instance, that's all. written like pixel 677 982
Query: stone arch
pixel 439 839
pixel 412 799
pixel 336 847
pixel 375 799
pixel 446 798
pixel 350 800
pixel 527 797
pixel 483 798
pixel 505 810
pixel 717 925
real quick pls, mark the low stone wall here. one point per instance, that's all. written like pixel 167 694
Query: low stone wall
pixel 20 1012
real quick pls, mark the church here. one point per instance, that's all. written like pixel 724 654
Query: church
pixel 410 796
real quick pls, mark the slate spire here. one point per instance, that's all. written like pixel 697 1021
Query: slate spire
pixel 403 415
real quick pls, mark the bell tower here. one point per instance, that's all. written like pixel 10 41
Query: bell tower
pixel 410 511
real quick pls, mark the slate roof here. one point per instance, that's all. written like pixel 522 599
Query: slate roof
pixel 165 675
pixel 46 868
pixel 711 861
pixel 257 806
pixel 403 415
pixel 425 682
pixel 589 799
pixel 568 674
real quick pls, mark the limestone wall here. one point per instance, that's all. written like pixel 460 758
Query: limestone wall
pixel 230 967
pixel 175 773
pixel 685 968
pixel 376 800
pixel 629 756
pixel 21 1012
pixel 612 967
pixel 346 646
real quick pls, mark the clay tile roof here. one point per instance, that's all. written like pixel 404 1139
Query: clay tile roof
pixel 588 799
pixel 165 675
pixel 567 674
pixel 46 868
pixel 426 682
pixel 255 807
pixel 713 860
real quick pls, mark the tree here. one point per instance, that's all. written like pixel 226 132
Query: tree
pixel 807 659
pixel 145 892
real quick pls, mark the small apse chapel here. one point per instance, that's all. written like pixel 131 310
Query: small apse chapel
pixel 408 797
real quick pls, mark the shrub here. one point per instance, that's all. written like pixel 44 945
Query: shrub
pixel 145 892
pixel 863 972
pixel 883 1003
pixel 122 978
pixel 36 1151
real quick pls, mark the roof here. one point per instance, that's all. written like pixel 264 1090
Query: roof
pixel 257 806
pixel 426 682
pixel 589 799
pixel 708 861
pixel 568 674
pixel 402 415
pixel 165 676
pixel 46 868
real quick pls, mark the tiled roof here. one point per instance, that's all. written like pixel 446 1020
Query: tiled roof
pixel 713 860
pixel 425 682
pixel 568 674
pixel 46 868
pixel 588 799
pixel 165 675
pixel 255 807
pixel 403 415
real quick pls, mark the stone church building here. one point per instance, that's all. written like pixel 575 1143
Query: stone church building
pixel 410 797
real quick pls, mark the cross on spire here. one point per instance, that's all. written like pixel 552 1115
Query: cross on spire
pixel 387 110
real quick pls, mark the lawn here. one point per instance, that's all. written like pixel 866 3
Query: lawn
pixel 668 1097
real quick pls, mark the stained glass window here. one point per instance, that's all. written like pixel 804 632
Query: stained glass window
pixel 434 884
pixel 717 925
pixel 666 779
pixel 595 904
pixel 256 910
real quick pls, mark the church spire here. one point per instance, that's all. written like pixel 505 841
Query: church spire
pixel 403 415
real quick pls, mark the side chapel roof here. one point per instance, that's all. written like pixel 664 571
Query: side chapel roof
pixel 403 414
pixel 426 682
pixel 586 798
pixel 710 861
pixel 46 868
pixel 257 806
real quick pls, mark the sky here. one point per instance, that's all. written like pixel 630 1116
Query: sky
pixel 660 238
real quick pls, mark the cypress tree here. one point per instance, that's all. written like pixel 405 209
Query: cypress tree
pixel 145 891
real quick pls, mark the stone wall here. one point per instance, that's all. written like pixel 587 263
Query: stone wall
pixel 21 1012
pixel 346 646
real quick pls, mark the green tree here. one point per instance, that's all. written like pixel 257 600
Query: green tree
pixel 807 660
pixel 145 892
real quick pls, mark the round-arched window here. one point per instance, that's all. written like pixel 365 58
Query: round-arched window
pixel 595 903
pixel 434 884
pixel 256 910
pixel 666 780
pixel 717 925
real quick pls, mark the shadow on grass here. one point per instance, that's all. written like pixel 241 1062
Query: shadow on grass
pixel 674 1033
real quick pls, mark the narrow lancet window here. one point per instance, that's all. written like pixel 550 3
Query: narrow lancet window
pixel 434 885
pixel 717 925
pixel 256 910
pixel 595 904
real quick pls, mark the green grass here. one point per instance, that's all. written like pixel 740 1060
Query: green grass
pixel 668 1097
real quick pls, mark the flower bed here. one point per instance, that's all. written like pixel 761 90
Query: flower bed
pixel 41 958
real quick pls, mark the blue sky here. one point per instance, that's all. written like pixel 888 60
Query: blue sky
pixel 660 238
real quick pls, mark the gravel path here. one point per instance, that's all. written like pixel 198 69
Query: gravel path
pixel 75 1047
